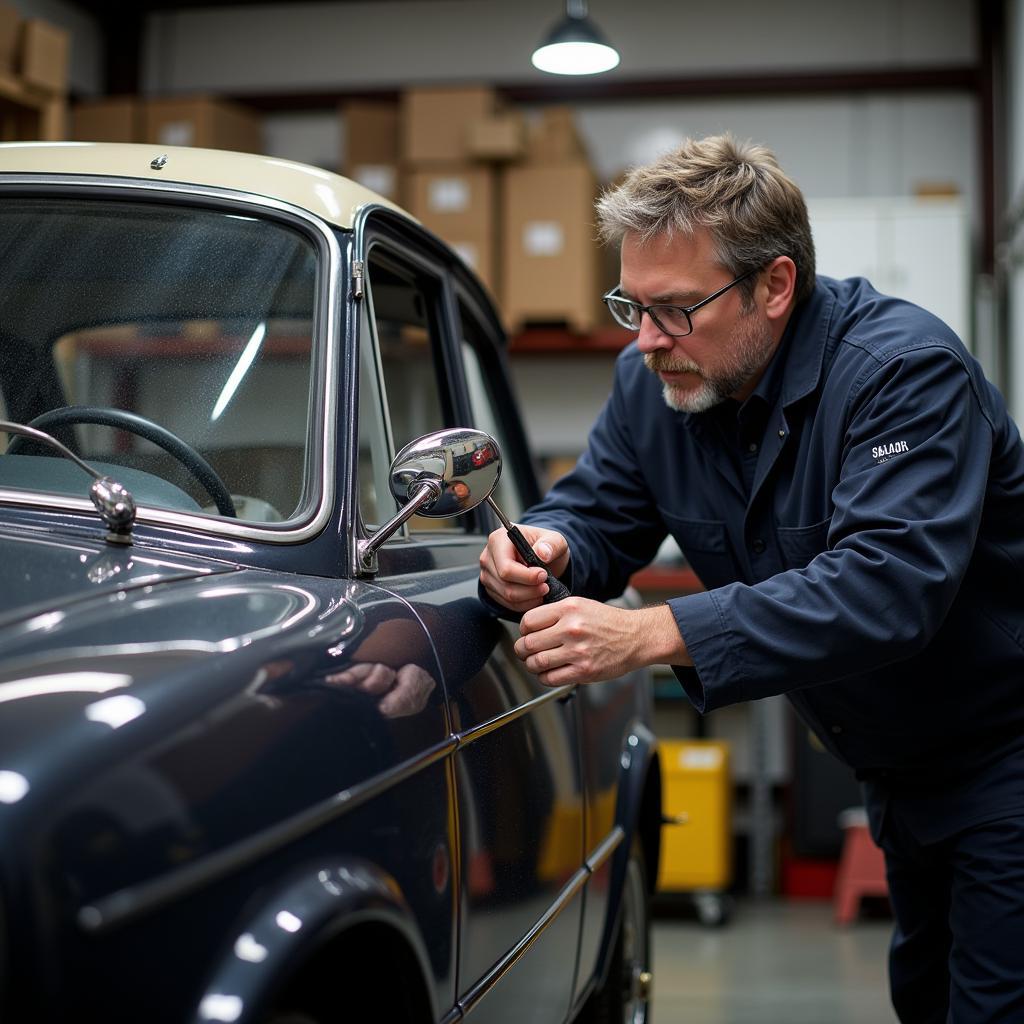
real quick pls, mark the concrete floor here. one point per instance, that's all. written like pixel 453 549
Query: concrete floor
pixel 775 962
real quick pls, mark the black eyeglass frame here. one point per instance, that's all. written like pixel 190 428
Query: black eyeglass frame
pixel 687 311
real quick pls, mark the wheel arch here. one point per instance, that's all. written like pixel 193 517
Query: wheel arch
pixel 296 926
pixel 638 812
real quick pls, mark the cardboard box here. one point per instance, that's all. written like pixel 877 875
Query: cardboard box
pixel 550 255
pixel 371 145
pixel 202 121
pixel 459 203
pixel 45 49
pixel 498 138
pixel 435 122
pixel 384 179
pixel 371 132
pixel 10 27
pixel 117 119
pixel 554 138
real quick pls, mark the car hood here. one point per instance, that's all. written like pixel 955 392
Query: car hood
pixel 44 575
pixel 154 711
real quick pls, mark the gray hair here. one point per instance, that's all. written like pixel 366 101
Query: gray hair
pixel 737 191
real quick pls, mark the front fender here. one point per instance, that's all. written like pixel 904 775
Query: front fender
pixel 291 924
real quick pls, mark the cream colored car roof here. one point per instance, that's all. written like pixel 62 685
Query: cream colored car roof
pixel 330 196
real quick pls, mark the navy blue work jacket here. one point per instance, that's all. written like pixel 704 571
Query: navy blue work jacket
pixel 862 548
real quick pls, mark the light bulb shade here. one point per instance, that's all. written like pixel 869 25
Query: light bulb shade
pixel 575 47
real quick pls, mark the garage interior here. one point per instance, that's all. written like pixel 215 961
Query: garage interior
pixel 901 121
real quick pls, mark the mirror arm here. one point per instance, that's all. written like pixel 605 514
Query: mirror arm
pixel 427 490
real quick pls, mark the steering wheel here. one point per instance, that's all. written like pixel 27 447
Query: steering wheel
pixel 196 465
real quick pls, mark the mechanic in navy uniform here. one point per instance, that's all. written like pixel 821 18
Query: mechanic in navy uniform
pixel 850 489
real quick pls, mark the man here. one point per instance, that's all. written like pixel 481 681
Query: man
pixel 850 490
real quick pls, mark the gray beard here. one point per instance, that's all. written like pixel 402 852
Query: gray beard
pixel 750 342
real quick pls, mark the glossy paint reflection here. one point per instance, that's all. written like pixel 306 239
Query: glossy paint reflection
pixel 263 709
pixel 520 802
pixel 54 571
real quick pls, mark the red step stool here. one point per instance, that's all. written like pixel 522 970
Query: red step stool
pixel 861 866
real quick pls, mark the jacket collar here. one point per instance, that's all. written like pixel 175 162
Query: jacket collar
pixel 805 344
pixel 803 350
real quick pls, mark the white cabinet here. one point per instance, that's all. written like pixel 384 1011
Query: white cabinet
pixel 917 249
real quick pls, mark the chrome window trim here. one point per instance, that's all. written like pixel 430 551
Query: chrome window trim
pixel 604 849
pixel 480 988
pixel 326 332
pixel 364 244
pixel 471 999
pixel 476 732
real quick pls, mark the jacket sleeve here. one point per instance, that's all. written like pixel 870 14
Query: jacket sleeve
pixel 604 507
pixel 907 507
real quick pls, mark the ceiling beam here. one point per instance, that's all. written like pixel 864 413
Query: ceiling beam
pixel 952 78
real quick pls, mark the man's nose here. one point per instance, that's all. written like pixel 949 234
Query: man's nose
pixel 651 337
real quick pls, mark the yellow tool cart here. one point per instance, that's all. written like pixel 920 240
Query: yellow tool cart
pixel 696 844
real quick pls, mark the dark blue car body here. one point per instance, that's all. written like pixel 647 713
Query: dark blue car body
pixel 242 776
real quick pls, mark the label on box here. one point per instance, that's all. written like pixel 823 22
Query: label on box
pixel 701 759
pixel 177 133
pixel 469 254
pixel 448 195
pixel 543 238
pixel 378 177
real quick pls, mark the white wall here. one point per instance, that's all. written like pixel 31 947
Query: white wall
pixel 861 145
pixel 301 46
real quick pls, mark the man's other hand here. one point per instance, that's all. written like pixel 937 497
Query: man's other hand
pixel 583 641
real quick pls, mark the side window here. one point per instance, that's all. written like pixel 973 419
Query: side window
pixel 488 412
pixel 375 501
pixel 402 310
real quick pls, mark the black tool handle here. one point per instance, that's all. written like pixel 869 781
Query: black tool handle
pixel 557 590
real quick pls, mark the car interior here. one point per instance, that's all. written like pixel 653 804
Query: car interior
pixel 197 320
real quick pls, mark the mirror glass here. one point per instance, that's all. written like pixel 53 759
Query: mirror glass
pixel 467 464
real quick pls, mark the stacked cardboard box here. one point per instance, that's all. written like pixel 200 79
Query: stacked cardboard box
pixel 115 119
pixel 173 121
pixel 436 122
pixel 371 145
pixel 515 201
pixel 33 77
pixel 459 204
pixel 202 121
pixel 447 190
pixel 44 53
pixel 498 138
pixel 10 25
pixel 550 257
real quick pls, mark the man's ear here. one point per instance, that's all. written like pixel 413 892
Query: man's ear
pixel 780 281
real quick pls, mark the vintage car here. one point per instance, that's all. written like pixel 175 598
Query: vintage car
pixel 264 754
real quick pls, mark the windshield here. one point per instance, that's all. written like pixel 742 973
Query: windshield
pixel 196 323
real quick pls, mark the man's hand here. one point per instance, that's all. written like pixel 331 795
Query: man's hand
pixel 512 583
pixel 582 641
pixel 402 691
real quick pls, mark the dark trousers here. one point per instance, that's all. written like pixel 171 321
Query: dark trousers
pixel 957 954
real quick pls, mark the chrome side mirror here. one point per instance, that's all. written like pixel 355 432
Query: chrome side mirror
pixel 439 475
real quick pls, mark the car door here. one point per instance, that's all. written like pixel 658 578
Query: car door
pixel 515 772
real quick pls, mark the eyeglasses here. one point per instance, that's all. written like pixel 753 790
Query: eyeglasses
pixel 672 320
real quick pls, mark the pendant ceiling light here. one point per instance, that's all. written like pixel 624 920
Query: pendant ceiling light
pixel 575 46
